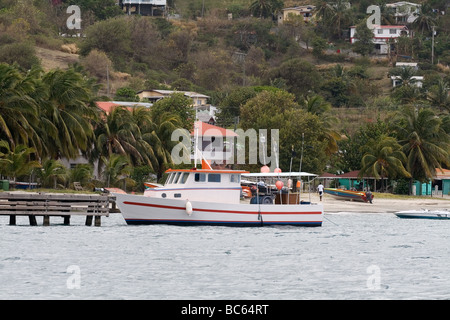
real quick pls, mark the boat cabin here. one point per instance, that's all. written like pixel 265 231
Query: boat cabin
pixel 200 185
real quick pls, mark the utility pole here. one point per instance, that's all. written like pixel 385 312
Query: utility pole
pixel 432 44
pixel 107 79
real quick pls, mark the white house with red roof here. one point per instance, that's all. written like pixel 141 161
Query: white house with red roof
pixel 216 143
pixel 382 35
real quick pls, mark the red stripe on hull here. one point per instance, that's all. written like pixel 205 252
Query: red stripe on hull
pixel 214 210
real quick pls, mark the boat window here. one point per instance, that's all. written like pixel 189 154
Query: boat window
pixel 177 175
pixel 184 177
pixel 214 177
pixel 169 178
pixel 235 178
pixel 200 177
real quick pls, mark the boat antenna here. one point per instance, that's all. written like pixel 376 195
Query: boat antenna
pixel 275 151
pixel 196 125
pixel 262 140
pixel 301 153
pixel 300 168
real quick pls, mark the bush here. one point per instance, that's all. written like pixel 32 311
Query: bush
pixel 402 186
pixel 21 53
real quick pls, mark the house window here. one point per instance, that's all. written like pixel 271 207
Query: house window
pixel 392 31
pixel 380 31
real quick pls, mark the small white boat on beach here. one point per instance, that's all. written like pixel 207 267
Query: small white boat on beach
pixel 424 214
pixel 213 197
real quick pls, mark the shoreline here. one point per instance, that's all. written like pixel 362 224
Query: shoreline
pixel 381 205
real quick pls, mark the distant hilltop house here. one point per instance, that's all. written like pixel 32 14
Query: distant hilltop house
pixel 412 65
pixel 205 111
pixel 152 96
pixel 404 12
pixel 382 34
pixel 144 7
pixel 305 11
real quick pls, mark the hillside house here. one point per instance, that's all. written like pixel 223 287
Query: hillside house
pixel 382 36
pixel 404 12
pixel 144 7
pixel 215 143
pixel 305 11
pixel 417 81
pixel 412 65
pixel 152 96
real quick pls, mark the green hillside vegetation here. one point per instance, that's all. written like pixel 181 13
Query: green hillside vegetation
pixel 297 77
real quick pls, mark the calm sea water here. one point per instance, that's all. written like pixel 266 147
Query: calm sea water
pixel 352 256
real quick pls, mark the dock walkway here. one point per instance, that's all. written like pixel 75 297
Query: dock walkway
pixel 34 204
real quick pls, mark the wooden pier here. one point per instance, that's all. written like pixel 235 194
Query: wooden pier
pixel 33 204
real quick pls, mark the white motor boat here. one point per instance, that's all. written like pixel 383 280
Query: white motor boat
pixel 212 197
pixel 424 214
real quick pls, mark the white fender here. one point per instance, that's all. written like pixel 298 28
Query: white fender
pixel 188 207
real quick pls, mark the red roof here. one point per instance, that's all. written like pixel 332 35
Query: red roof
pixel 328 175
pixel 107 106
pixel 352 175
pixel 442 174
pixel 208 130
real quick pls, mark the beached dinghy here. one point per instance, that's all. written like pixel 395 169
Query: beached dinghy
pixel 349 194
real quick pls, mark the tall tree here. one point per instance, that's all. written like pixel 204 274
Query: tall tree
pixel 265 8
pixel 16 161
pixel 384 160
pixel 68 114
pixel 438 95
pixel 425 19
pixel 18 110
pixel 364 45
pixel 424 141
pixel 117 135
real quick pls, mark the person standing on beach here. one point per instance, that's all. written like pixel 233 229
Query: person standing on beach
pixel 320 190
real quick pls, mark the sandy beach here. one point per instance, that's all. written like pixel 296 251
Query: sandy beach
pixel 381 205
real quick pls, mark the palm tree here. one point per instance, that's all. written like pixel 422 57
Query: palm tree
pixel 341 16
pixel 438 95
pixel 406 91
pixel 67 114
pixel 265 8
pixel 144 126
pixel 116 134
pixel 117 167
pixel 18 110
pixel 333 15
pixel 385 159
pixel 387 14
pixel 424 141
pixel 161 141
pixel 425 19
pixel 51 172
pixel 318 106
pixel 323 10
pixel 16 160
pixel 405 75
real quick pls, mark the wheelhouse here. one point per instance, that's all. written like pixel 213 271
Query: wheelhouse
pixel 221 185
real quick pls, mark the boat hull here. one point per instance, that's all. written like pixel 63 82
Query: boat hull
pixel 147 210
pixel 424 214
pixel 347 194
